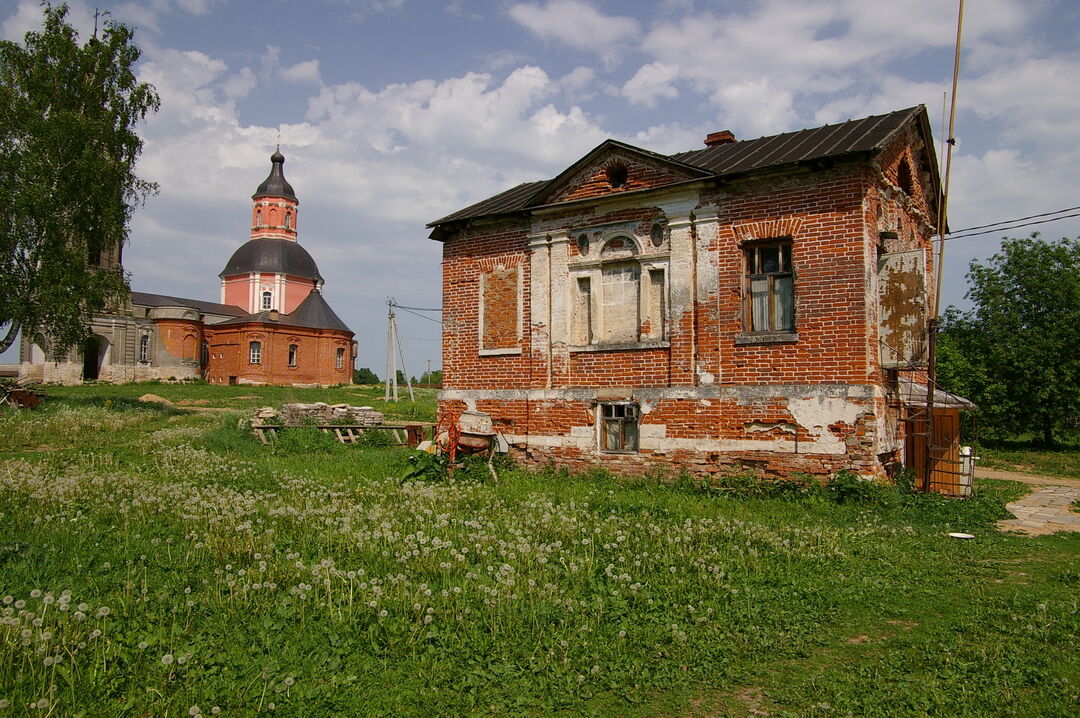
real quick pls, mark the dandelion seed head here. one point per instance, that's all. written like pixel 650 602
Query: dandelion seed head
pixel 167 659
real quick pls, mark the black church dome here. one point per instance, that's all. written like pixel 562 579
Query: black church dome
pixel 271 256
pixel 275 184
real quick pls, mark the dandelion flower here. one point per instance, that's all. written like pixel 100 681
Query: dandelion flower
pixel 36 593
pixel 383 613
pixel 289 681
pixel 194 711
pixel 167 659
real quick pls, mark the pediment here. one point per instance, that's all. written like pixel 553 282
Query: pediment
pixel 614 168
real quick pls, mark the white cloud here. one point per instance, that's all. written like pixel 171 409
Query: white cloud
pixel 240 84
pixel 581 26
pixel 651 83
pixel 306 71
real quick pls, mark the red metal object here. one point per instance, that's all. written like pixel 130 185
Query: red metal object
pixel 448 435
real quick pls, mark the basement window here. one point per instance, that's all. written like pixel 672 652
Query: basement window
pixel 619 427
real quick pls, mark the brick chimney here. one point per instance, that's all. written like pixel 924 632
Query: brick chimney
pixel 723 137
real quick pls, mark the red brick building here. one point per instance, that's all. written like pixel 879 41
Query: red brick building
pixel 750 304
pixel 288 333
pixel 272 325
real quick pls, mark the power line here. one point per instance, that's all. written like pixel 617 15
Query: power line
pixel 424 309
pixel 1010 221
pixel 1016 226
pixel 417 314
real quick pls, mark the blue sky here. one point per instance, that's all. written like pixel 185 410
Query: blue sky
pixel 393 113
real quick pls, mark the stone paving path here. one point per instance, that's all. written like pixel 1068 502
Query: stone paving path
pixel 1046 509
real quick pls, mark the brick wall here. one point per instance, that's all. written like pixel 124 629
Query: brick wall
pixel 713 396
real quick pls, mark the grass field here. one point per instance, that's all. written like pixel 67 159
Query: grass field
pixel 162 562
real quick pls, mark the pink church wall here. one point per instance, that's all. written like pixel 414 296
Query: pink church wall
pixel 237 292
pixel 297 290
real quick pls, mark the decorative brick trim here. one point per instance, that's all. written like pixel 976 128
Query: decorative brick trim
pixel 767 229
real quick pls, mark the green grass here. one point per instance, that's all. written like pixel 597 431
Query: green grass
pixel 307 579
pixel 1021 455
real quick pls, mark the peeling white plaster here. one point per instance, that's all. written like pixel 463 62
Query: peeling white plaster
pixel 817 413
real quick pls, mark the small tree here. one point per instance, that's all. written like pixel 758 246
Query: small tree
pixel 67 157
pixel 1016 352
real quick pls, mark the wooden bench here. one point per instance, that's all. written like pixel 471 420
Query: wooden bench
pixel 414 431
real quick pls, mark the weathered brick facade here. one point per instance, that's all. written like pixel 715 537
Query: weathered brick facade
pixel 627 282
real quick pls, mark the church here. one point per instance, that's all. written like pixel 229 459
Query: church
pixel 271 325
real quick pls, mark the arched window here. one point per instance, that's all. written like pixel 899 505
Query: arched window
pixel 144 348
pixel 288 220
pixel 292 354
pixel 255 352
pixel 267 300
pixel 624 300
pixel 204 354
pixel 258 218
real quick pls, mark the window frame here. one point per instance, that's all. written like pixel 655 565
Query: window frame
pixel 339 358
pixel 630 419
pixel 267 302
pixel 294 352
pixel 144 348
pixel 255 352
pixel 587 318
pixel 752 261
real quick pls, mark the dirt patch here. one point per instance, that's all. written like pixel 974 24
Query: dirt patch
pixel 906 625
pixel 859 640
pixel 752 699
pixel 193 402
pixel 155 399
pixel 1031 479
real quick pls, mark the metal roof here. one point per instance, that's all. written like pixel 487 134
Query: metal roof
pixel 275 184
pixel 272 255
pixel 866 135
pixel 313 313
pixel 146 299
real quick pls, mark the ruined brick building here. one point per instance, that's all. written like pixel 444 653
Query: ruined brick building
pixel 757 303
pixel 272 325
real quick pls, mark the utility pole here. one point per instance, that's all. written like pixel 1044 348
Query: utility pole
pixel 391 359
pixel 932 325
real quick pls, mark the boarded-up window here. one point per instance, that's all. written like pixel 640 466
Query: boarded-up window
pixel 653 325
pixel 583 320
pixel 621 304
pixel 902 283
pixel 500 310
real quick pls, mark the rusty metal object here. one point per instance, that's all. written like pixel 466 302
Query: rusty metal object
pixel 902 282
pixel 21 398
